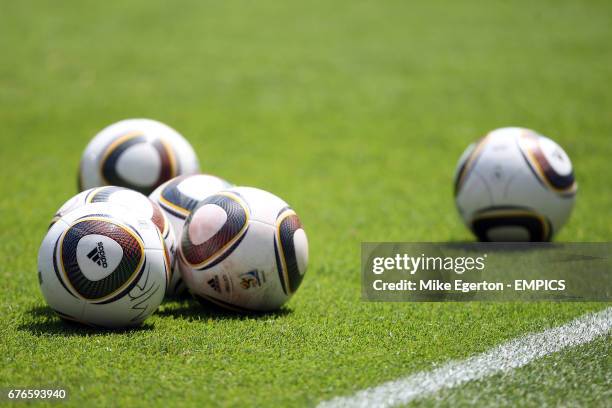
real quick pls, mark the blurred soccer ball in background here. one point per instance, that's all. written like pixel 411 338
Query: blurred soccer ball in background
pixel 243 249
pixel 514 185
pixel 139 154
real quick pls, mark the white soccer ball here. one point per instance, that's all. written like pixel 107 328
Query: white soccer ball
pixel 514 185
pixel 177 198
pixel 244 249
pixel 130 200
pixel 103 266
pixel 139 154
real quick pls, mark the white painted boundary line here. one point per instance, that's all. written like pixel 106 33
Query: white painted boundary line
pixel 513 354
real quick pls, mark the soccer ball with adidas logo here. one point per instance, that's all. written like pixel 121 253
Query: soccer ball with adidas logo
pixel 243 249
pixel 131 201
pixel 139 154
pixel 103 266
pixel 515 185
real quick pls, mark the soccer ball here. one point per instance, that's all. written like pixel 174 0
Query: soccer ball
pixel 136 153
pixel 132 201
pixel 244 249
pixel 514 185
pixel 103 266
pixel 177 198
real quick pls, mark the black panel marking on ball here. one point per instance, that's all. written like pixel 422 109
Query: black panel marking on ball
pixel 134 230
pixel 128 288
pixel 244 202
pixel 55 219
pixel 174 196
pixel 471 160
pixel 557 180
pixel 166 171
pixel 172 211
pixel 93 290
pixel 279 267
pixel 88 194
pixel 56 269
pixel 532 223
pixel 286 230
pixel 282 210
pixel 109 167
pixel 234 224
pixel 548 172
pixel 103 194
pixel 459 176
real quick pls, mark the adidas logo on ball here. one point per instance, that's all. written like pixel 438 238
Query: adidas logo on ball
pixel 98 256
pixel 214 284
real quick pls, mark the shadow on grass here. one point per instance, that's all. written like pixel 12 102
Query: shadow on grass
pixel 201 309
pixel 44 322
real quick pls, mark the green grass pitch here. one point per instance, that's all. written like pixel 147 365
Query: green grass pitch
pixel 354 112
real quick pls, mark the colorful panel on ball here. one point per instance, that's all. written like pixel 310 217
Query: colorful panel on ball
pixel 108 166
pixel 290 275
pixel 224 241
pixel 174 201
pixel 542 169
pixel 123 275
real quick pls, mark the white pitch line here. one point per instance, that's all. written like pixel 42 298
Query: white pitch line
pixel 513 354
